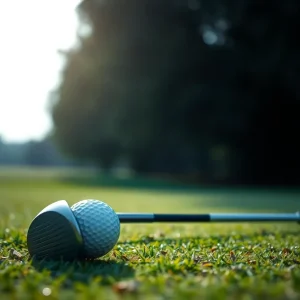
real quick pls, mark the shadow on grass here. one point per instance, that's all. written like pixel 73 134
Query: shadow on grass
pixel 227 196
pixel 141 183
pixel 221 238
pixel 85 271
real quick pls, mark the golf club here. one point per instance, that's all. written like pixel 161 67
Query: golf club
pixel 214 217
pixel 59 232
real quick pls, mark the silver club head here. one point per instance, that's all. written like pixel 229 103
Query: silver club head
pixel 55 234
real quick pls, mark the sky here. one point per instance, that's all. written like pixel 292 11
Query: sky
pixel 31 33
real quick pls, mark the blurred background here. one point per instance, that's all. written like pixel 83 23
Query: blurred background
pixel 186 91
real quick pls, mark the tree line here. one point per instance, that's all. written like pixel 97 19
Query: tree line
pixel 32 153
pixel 203 89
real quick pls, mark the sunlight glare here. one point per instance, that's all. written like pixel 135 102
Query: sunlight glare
pixel 31 34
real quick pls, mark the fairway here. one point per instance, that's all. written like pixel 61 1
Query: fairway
pixel 155 261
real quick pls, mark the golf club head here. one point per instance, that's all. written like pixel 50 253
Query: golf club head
pixel 55 234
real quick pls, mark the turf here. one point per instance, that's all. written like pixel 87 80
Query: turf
pixel 155 261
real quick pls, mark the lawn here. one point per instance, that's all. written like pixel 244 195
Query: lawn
pixel 155 261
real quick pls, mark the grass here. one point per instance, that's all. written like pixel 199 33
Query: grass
pixel 155 261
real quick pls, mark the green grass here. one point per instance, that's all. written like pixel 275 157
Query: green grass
pixel 155 261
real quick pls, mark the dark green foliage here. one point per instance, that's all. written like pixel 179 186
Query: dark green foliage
pixel 207 89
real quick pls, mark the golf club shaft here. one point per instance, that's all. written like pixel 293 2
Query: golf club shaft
pixel 214 217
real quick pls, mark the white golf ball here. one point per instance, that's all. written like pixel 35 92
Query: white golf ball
pixel 99 225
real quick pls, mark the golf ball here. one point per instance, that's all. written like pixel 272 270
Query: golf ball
pixel 99 226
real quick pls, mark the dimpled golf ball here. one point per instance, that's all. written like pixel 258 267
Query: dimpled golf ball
pixel 99 226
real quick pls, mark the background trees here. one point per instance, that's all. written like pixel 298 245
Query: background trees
pixel 208 89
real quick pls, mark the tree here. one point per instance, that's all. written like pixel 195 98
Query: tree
pixel 185 87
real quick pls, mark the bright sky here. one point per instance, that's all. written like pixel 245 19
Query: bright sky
pixel 31 32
